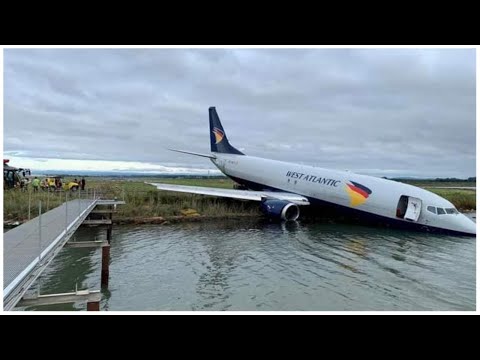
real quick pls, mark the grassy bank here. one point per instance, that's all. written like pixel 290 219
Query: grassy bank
pixel 16 203
pixel 462 199
pixel 145 201
pixel 429 183
pixel 142 200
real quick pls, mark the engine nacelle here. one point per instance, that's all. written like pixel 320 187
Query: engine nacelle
pixel 280 209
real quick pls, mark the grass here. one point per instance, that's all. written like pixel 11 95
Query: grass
pixel 142 200
pixel 145 201
pixel 16 203
pixel 428 183
pixel 462 199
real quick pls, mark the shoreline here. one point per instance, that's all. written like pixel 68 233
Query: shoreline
pixel 177 219
pixel 174 219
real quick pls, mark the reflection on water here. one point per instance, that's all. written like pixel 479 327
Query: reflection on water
pixel 258 265
pixel 72 269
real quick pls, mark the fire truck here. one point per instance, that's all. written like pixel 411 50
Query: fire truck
pixel 14 177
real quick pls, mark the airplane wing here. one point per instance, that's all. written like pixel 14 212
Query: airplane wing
pixel 235 194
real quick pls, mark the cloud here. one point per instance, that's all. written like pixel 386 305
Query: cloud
pixel 411 111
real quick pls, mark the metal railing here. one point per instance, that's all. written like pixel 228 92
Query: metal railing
pixel 43 233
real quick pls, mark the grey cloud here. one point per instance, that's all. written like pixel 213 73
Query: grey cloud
pixel 401 110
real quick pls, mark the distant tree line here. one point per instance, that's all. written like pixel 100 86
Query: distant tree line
pixel 470 179
pixel 169 176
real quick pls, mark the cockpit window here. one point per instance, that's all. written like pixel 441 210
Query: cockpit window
pixel 432 209
pixel 451 211
pixel 440 211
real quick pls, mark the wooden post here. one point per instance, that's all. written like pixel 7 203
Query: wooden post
pixel 109 233
pixel 93 306
pixel 105 265
pixel 109 228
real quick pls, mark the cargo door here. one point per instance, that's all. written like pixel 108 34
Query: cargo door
pixel 414 208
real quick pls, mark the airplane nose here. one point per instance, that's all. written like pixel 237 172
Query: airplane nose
pixel 468 225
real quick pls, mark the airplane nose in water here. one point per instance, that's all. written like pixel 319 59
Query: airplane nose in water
pixel 469 225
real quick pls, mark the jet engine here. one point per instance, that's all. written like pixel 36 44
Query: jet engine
pixel 280 209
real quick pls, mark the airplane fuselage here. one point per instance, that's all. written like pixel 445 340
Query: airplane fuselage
pixel 399 204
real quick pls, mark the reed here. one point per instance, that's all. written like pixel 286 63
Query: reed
pixel 142 200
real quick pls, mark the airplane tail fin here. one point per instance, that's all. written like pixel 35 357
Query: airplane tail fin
pixel 218 138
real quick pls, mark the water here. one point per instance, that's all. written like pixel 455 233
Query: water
pixel 254 265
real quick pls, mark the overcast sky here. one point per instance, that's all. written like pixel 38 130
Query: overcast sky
pixel 392 112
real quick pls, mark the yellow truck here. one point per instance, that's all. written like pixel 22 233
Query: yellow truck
pixel 55 183
pixel 71 185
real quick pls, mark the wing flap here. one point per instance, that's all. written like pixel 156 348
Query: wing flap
pixel 234 194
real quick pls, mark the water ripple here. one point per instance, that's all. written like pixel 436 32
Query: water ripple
pixel 255 265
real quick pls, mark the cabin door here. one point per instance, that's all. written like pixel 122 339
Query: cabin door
pixel 413 209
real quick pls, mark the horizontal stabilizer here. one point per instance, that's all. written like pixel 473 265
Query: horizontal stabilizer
pixel 210 156
pixel 235 194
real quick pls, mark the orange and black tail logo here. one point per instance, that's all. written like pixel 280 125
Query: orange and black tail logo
pixel 358 193
pixel 219 134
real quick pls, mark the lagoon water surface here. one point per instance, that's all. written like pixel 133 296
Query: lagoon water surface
pixel 257 265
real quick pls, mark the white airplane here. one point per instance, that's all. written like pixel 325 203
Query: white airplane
pixel 282 187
